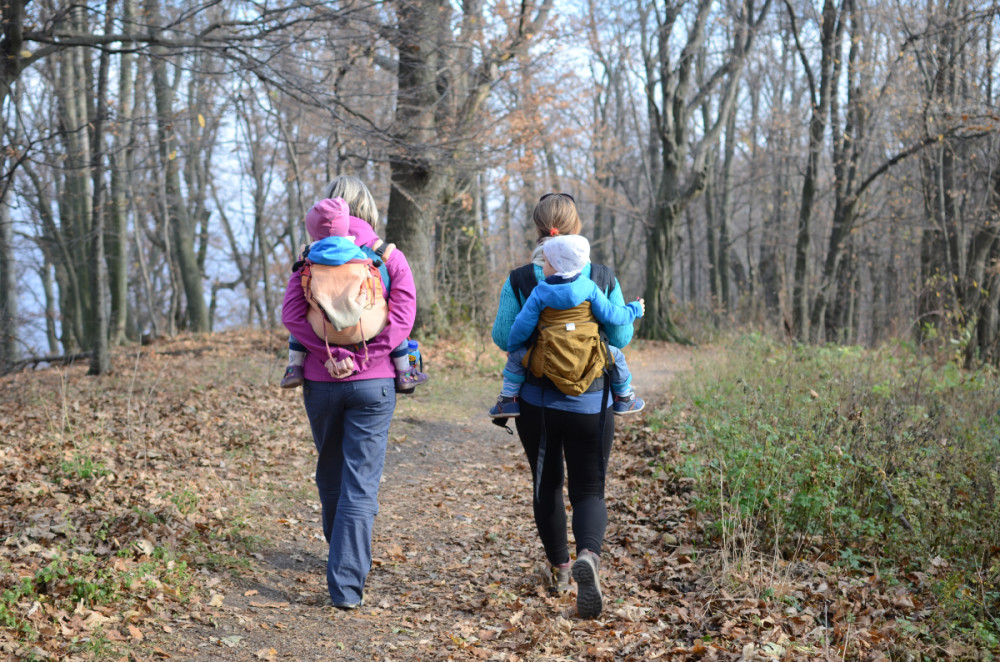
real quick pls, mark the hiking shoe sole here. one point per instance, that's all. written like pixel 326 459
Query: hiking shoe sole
pixel 589 601
pixel 493 414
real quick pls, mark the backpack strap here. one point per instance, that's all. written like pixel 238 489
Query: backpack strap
pixel 378 260
pixel 298 264
pixel 523 281
pixel 382 249
pixel 603 277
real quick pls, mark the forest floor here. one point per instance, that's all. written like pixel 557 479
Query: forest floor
pixel 168 511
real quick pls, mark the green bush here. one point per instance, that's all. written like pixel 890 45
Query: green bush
pixel 879 452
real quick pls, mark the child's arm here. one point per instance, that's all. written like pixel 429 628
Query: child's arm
pixel 525 322
pixel 608 313
pixel 620 335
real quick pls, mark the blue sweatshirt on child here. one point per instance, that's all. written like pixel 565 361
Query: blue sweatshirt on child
pixel 335 251
pixel 562 294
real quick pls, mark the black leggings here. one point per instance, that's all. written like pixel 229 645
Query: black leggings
pixel 586 448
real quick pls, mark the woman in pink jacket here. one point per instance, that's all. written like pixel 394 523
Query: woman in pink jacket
pixel 349 400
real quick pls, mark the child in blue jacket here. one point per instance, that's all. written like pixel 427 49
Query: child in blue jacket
pixel 563 288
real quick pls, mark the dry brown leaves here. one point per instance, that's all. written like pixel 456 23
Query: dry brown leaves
pixel 198 460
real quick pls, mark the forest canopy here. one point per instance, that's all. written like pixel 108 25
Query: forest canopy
pixel 824 169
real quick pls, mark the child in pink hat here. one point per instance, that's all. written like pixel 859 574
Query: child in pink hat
pixel 328 225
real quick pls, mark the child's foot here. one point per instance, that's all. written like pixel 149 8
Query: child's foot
pixel 506 407
pixel 407 381
pixel 627 404
pixel 589 601
pixel 293 377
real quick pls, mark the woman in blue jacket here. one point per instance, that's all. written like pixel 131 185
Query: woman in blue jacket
pixel 553 426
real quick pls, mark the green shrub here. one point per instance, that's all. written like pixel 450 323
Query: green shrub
pixel 879 452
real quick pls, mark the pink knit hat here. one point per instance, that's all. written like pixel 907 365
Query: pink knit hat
pixel 328 218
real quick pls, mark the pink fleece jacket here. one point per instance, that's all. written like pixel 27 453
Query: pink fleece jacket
pixel 402 312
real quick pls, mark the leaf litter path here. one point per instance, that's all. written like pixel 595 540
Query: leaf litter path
pixel 455 550
pixel 168 511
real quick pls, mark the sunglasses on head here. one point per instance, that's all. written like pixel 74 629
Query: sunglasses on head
pixel 565 195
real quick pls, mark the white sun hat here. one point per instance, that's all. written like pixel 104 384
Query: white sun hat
pixel 567 253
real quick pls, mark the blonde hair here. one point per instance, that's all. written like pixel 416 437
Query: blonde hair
pixel 357 196
pixel 555 212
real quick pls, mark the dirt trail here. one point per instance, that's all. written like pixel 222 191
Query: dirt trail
pixel 455 548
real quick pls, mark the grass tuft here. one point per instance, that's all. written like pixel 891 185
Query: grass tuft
pixel 875 460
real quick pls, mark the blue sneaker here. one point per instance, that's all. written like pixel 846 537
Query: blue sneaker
pixel 506 407
pixel 627 404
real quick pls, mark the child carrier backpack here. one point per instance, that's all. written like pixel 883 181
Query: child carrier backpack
pixel 348 303
pixel 568 347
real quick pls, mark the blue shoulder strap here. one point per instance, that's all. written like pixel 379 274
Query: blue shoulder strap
pixel 376 258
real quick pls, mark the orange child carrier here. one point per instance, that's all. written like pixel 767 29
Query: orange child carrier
pixel 348 303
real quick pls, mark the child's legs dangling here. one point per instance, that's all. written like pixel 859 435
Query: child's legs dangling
pixel 401 358
pixel 513 373
pixel 296 351
pixel 621 376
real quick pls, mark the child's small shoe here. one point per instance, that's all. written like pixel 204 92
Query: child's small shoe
pixel 293 377
pixel 506 407
pixel 627 404
pixel 407 381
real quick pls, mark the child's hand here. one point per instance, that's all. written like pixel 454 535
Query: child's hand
pixel 642 306
pixel 340 369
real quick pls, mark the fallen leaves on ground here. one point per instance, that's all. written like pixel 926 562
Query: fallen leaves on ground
pixel 168 512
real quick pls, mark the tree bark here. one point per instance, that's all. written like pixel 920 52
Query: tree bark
pixel 117 230
pixel 8 287
pixel 440 94
pixel 684 160
pixel 820 93
pixel 182 228
pixel 100 361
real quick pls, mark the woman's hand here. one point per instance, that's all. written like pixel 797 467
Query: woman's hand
pixel 340 369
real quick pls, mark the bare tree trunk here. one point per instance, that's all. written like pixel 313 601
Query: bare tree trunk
pixel 727 254
pixel 182 234
pixel 684 160
pixel 820 92
pixel 117 231
pixel 440 95
pixel 100 358
pixel 416 184
pixel 76 199
pixel 692 294
pixel 12 13
pixel 51 311
pixel 8 285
